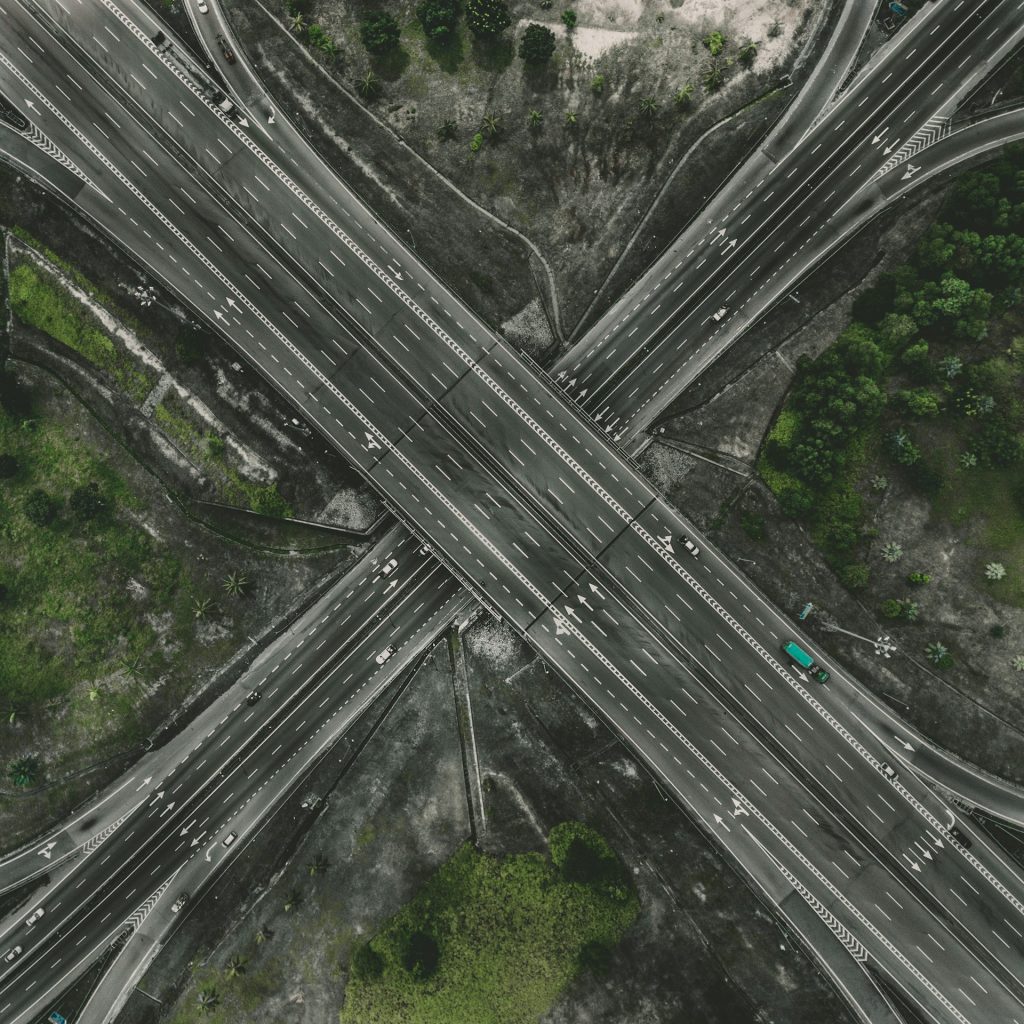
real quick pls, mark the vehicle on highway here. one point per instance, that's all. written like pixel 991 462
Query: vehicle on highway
pixel 179 902
pixel 161 42
pixel 690 546
pixel 253 697
pixel 385 654
pixel 889 772
pixel 721 313
pixel 426 549
pixel 225 49
pixel 960 837
pixel 34 916
pixel 799 657
pixel 203 9
pixel 224 103
pixel 57 1018
pixel 390 567
pixel 12 955
pixel 231 837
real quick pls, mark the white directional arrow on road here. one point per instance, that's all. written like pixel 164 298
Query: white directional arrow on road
pixel 595 590
pixel 396 274
pixel 218 314
pixel 145 783
pixel 732 242
pixel 46 851
pixel 371 441
pixel 903 743
pixel 881 135
pixel 30 105
pixel 666 542
pixel 243 122
pixel 583 601
pixel 560 626
pixel 158 798
pixel 168 808
pixel 936 841
pixel 910 172
pixel 184 831
pixel 231 302
pixel 198 839
pixel 571 612
pixel 721 821
pixel 892 145
pixel 391 586
pixel 738 808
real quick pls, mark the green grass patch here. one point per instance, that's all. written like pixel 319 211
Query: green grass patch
pixel 80 594
pixel 209 451
pixel 39 301
pixel 495 941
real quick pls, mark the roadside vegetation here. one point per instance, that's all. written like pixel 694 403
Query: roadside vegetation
pixel 923 389
pixel 489 941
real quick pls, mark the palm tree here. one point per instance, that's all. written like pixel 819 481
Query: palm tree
pixel 292 900
pixel 318 864
pixel 235 966
pixel 207 998
pixel 262 934
pixel 570 119
pixel 235 583
pixel 447 128
pixel 202 606
pixel 131 665
pixel 369 85
pixel 328 48
pixel 536 119
pixel 24 771
pixel 298 25
pixel 491 124
pixel 649 107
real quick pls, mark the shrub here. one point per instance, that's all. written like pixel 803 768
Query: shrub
pixel 891 608
pixel 380 32
pixel 86 502
pixel 715 43
pixel 918 579
pixel 752 524
pixel 597 85
pixel 421 955
pixel 892 552
pixel 24 771
pixel 8 466
pixel 995 571
pixel 855 576
pixel 487 17
pixel 997 631
pixel 537 45
pixel 215 445
pixel 569 19
pixel 366 962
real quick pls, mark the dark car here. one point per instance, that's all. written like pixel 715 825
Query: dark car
pixel 960 837
pixel 253 697
pixel 179 903
pixel 225 49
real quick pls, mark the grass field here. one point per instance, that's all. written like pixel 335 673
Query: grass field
pixel 81 594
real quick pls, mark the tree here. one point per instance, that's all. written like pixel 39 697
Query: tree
pixel 292 900
pixel 950 366
pixel 24 771
pixel 597 85
pixel 438 18
pixel 995 571
pixel 920 401
pixel 712 72
pixel 747 55
pixel 202 606
pixel 298 24
pixel 369 85
pixel 8 466
pixel 1018 663
pixel 649 107
pixel 447 129
pixel 235 966
pixel 918 579
pixel 892 552
pixel 487 18
pixel 263 933
pixel 537 44
pixel 855 576
pixel 318 865
pixel 569 19
pixel 570 119
pixel 86 502
pixel 491 124
pixel 380 33
pixel 39 507
pixel 715 43
pixel 939 655
pixel 207 998
pixel 421 955
pixel 891 608
pixel 366 962
pixel 535 119
pixel 235 583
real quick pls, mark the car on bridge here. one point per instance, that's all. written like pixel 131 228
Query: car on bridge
pixel 12 955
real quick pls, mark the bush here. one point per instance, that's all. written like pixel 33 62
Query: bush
pixel 597 85
pixel 380 33
pixel 918 579
pixel 920 401
pixel 752 524
pixel 596 958
pixel 855 576
pixel 39 507
pixel 715 43
pixel 438 18
pixel 796 501
pixel 569 19
pixel 366 962
pixel 537 45
pixel 86 502
pixel 487 17
pixel 891 608
pixel 8 466
pixel 421 956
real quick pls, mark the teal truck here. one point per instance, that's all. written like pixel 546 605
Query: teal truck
pixel 803 660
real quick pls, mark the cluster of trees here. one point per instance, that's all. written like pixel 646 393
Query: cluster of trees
pixel 489 939
pixel 719 60
pixel 918 348
pixel 86 502
pixel 486 19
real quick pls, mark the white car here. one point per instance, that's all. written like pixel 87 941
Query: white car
pixel 34 916
pixel 690 546
pixel 390 567
pixel 385 654
pixel 889 772
pixel 179 903
pixel 12 955
pixel 718 316
pixel 203 9
pixel 231 837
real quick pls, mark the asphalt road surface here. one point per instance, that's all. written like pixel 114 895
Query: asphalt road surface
pixel 530 508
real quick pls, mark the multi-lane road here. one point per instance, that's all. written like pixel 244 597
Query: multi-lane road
pixel 526 502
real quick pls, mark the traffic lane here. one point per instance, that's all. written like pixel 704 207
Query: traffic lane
pixel 817 174
pixel 668 747
pixel 164 829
